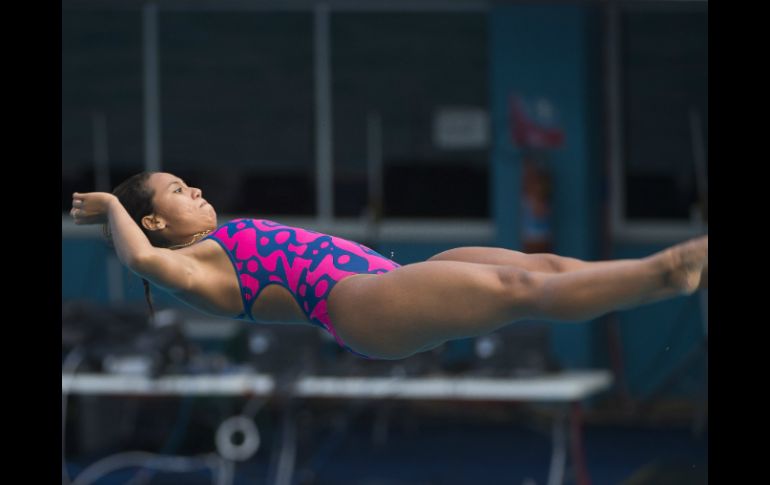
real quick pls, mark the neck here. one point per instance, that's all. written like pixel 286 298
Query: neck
pixel 195 238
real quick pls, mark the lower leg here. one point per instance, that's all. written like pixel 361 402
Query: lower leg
pixel 588 293
pixel 600 288
pixel 568 265
pixel 553 263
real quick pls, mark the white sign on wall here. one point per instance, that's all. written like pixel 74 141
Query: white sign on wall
pixel 457 128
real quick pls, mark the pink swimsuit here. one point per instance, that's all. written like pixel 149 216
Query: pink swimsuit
pixel 305 262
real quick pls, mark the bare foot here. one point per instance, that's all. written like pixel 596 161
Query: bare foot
pixel 688 265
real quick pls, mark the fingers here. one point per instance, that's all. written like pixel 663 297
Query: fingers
pixel 74 213
pixel 77 205
pixel 77 201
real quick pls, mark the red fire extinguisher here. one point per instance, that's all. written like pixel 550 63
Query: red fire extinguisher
pixel 536 208
pixel 536 134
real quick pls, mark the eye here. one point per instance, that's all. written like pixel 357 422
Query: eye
pixel 179 190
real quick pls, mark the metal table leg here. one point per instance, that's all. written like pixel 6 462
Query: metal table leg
pixel 576 444
pixel 558 450
pixel 286 458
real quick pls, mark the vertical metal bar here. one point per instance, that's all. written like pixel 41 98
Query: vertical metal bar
pixel 699 157
pixel 152 138
pixel 558 449
pixel 374 158
pixel 114 279
pixel 373 211
pixel 102 184
pixel 617 183
pixel 374 176
pixel 288 450
pixel 579 464
pixel 101 152
pixel 323 115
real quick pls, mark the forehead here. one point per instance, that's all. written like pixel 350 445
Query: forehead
pixel 161 180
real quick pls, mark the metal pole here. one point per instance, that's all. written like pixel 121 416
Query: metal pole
pixel 374 176
pixel 102 184
pixel 323 116
pixel 152 138
pixel 101 152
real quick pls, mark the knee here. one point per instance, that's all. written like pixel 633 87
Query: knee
pixel 551 262
pixel 557 263
pixel 519 285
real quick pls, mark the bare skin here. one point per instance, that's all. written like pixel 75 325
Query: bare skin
pixel 458 293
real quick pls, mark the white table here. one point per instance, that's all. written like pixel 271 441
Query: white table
pixel 567 388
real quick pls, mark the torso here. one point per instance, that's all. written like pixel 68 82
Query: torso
pixel 261 270
pixel 220 294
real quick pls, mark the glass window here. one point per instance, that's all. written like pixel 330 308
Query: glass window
pixel 101 109
pixel 664 61
pixel 237 108
pixel 408 68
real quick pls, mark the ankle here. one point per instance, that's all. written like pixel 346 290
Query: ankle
pixel 663 264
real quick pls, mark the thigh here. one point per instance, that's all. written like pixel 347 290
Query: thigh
pixel 420 305
pixel 541 262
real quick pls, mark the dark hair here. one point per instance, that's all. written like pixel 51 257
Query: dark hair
pixel 136 197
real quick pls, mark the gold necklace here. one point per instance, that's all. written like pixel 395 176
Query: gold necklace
pixel 196 237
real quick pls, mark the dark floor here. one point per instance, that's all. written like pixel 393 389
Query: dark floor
pixel 446 451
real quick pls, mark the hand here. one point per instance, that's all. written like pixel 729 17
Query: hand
pixel 91 207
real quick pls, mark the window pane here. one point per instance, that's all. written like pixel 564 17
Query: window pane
pixel 665 72
pixel 237 108
pixel 405 67
pixel 101 76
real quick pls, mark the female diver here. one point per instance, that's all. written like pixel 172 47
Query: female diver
pixel 264 271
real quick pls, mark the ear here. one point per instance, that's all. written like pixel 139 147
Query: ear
pixel 153 223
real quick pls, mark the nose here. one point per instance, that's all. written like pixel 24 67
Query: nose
pixel 197 193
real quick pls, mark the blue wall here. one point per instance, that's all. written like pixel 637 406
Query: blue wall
pixel 546 51
pixel 555 52
pixel 85 274
pixel 83 271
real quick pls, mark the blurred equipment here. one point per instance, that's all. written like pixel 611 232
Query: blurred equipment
pixel 279 349
pixel 121 339
pixel 519 350
pixel 237 438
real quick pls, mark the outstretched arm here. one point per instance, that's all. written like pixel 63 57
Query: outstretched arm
pixel 168 269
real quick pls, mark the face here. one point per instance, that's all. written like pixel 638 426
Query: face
pixel 180 210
